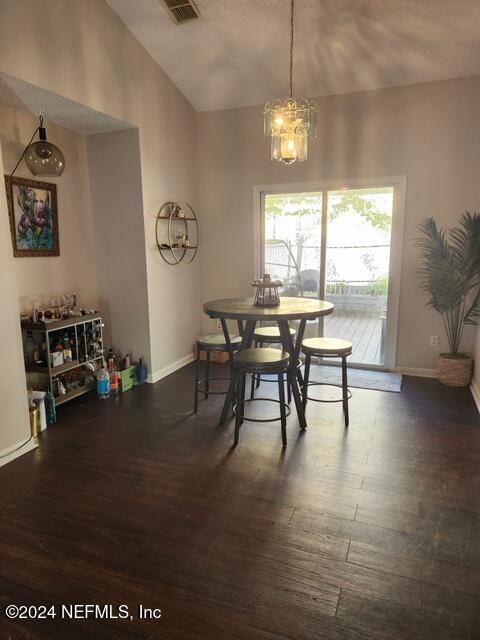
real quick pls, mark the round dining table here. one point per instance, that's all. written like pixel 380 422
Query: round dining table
pixel 247 314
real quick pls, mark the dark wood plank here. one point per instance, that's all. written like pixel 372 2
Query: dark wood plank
pixel 417 561
pixel 381 620
pixel 370 533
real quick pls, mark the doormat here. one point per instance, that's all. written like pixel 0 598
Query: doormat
pixel 358 378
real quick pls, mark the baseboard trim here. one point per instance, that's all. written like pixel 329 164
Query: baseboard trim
pixel 475 391
pixel 171 368
pixel 417 371
pixel 15 451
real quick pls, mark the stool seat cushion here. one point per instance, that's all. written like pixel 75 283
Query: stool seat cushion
pixel 270 334
pixel 327 346
pixel 263 359
pixel 216 341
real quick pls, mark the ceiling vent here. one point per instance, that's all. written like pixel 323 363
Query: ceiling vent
pixel 182 10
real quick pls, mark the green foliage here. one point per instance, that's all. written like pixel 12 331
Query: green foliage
pixel 449 273
pixel 298 204
pixel 364 207
pixel 302 204
pixel 379 287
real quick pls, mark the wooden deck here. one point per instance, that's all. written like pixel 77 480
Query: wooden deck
pixel 364 332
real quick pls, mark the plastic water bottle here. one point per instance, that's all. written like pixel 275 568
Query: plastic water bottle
pixel 103 384
pixel 141 372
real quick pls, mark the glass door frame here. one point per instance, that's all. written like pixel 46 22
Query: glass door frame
pixel 399 185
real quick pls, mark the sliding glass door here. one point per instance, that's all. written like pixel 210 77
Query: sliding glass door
pixel 335 245
pixel 292 246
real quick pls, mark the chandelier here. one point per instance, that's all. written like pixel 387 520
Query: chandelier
pixel 290 122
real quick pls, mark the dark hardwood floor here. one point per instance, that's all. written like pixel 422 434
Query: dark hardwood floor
pixel 372 533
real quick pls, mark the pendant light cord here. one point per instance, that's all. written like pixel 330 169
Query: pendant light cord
pixel 29 143
pixel 291 49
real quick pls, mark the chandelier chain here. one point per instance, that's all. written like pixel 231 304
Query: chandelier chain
pixel 289 122
pixel 291 48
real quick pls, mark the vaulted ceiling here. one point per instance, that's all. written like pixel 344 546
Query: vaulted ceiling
pixel 237 53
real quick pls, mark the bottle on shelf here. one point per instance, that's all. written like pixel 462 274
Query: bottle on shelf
pixel 73 345
pixel 103 383
pixel 67 351
pixel 82 354
pixel 55 386
pixel 90 341
pixel 43 354
pixel 31 350
pixel 37 356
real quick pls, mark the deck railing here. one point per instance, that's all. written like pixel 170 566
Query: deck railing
pixel 377 287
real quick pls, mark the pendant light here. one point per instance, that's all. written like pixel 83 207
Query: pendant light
pixel 42 157
pixel 289 122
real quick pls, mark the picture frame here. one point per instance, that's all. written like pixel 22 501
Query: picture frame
pixel 33 215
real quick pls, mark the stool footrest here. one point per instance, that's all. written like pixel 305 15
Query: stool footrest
pixel 204 382
pixel 243 402
pixel 259 378
pixel 327 384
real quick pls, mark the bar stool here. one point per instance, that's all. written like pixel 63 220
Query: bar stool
pixel 327 348
pixel 257 362
pixel 268 335
pixel 209 343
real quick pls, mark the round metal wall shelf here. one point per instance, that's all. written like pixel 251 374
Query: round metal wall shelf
pixel 180 237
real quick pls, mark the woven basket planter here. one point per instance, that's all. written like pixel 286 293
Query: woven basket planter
pixel 455 371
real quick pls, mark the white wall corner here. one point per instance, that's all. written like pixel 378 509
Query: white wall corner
pixel 475 391
pixel 171 368
pixel 15 451
pixel 417 371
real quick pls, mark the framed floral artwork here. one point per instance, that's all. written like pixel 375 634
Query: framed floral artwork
pixel 32 209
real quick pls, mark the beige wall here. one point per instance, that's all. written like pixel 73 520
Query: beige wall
pixel 14 423
pixel 116 190
pixel 82 51
pixel 74 270
pixel 428 132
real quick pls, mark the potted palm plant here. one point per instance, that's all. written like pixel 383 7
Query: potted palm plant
pixel 449 273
